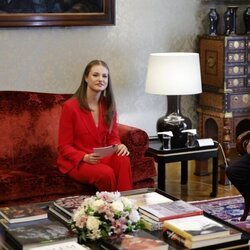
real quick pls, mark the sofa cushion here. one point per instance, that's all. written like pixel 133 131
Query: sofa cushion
pixel 22 185
pixel 19 185
pixel 67 185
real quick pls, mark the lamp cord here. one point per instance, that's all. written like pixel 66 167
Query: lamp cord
pixel 224 157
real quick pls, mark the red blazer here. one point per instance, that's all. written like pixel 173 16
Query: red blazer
pixel 78 134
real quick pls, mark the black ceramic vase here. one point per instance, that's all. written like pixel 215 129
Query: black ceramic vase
pixel 246 17
pixel 213 17
pixel 175 123
pixel 230 20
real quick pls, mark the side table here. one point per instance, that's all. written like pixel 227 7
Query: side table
pixel 183 155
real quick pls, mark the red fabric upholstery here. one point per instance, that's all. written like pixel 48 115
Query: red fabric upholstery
pixel 28 150
pixel 137 142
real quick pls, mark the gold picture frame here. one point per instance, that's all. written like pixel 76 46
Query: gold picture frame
pixel 104 16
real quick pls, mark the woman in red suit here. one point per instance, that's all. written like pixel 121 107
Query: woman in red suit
pixel 88 120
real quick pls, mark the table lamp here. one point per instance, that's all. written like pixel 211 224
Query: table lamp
pixel 174 74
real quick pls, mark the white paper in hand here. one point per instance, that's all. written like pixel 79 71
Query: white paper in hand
pixel 105 151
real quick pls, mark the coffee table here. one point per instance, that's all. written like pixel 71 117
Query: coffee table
pixel 183 155
pixel 240 244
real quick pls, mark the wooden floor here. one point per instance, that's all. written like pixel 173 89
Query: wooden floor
pixel 197 188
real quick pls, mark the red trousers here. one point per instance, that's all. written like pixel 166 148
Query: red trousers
pixel 113 173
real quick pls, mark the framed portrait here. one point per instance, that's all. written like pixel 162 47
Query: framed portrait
pixel 39 13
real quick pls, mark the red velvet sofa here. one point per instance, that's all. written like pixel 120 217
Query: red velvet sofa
pixel 28 150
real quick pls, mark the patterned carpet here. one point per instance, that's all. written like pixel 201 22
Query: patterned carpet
pixel 229 209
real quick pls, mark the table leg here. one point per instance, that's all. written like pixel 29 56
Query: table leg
pixel 184 172
pixel 161 174
pixel 214 178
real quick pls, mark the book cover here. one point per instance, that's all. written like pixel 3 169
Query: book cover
pixel 71 245
pixel 8 225
pixel 170 210
pixel 151 226
pixel 45 233
pixel 69 204
pixel 234 236
pixel 105 151
pixel 148 198
pixel 141 240
pixel 59 215
pixel 3 244
pixel 22 213
pixel 196 228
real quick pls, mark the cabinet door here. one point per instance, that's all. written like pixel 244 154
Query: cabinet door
pixel 224 63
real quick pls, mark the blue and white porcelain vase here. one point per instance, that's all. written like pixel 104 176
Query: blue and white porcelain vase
pixel 213 17
pixel 230 20
pixel 246 17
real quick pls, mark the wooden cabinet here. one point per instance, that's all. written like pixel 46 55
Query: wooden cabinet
pixel 224 105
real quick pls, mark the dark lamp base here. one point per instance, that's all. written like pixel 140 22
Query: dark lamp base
pixel 179 139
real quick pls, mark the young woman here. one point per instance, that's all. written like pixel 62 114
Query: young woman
pixel 89 120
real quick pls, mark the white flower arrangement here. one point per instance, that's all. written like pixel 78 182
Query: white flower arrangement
pixel 104 215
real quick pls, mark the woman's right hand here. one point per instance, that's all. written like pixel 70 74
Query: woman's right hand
pixel 91 158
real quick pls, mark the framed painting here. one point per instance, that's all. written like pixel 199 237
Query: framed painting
pixel 39 13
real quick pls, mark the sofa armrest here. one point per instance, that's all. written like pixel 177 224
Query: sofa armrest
pixel 241 142
pixel 135 139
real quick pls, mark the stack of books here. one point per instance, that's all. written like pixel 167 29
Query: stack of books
pixel 169 210
pixel 146 199
pixel 44 232
pixel 198 231
pixel 154 208
pixel 62 209
pixel 24 213
pixel 28 226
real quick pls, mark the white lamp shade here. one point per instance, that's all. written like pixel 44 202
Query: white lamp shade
pixel 176 73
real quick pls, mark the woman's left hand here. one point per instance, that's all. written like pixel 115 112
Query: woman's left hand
pixel 122 150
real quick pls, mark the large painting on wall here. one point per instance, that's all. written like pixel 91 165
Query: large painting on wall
pixel 36 13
